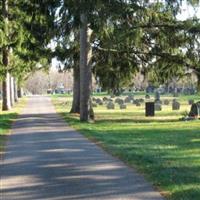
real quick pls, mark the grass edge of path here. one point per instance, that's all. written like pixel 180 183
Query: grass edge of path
pixel 7 118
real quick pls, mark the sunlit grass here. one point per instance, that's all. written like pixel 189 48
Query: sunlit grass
pixel 163 148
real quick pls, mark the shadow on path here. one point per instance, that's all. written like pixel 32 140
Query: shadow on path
pixel 45 159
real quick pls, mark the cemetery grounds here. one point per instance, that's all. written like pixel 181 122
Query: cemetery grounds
pixel 163 148
pixel 6 119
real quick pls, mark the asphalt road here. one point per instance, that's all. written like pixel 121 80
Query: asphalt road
pixel 47 160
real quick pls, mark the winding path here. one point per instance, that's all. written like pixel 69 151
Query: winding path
pixel 47 160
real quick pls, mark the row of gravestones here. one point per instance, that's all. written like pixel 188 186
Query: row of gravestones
pixel 151 107
pixel 158 104
pixel 186 91
pixel 109 102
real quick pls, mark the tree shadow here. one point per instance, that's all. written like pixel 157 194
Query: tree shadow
pixel 45 159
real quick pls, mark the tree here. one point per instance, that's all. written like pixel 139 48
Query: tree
pixel 68 52
pixel 142 37
pixel 36 21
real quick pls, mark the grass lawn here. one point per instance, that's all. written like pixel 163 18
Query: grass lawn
pixel 6 119
pixel 164 149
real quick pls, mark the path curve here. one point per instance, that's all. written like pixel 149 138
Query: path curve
pixel 47 160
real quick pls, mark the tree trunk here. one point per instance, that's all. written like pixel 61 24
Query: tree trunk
pixel 198 82
pixel 15 90
pixel 6 105
pixel 76 91
pixel 20 92
pixel 12 92
pixel 86 112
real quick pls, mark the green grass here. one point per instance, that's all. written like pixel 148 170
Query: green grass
pixel 6 119
pixel 163 148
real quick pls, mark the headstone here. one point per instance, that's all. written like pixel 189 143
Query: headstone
pixel 150 89
pixel 191 101
pixel 94 105
pixel 110 105
pixel 131 95
pixel 99 101
pixel 138 103
pixel 122 106
pixel 195 110
pixel 149 109
pixel 176 94
pixel 166 102
pixel 121 101
pixel 175 105
pixel 157 96
pixel 147 96
pixel 158 102
pixel 158 106
pixel 141 100
pixel 117 100
pixel 105 99
pixel 127 100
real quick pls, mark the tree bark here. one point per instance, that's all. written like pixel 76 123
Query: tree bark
pixel 20 92
pixel 76 91
pixel 86 112
pixel 198 82
pixel 15 90
pixel 6 105
pixel 12 92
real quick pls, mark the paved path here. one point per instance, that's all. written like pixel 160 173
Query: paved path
pixel 47 160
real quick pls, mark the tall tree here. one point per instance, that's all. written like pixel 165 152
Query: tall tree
pixel 5 57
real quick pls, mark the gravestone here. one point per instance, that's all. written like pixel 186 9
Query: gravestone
pixel 127 99
pixel 191 101
pixel 110 105
pixel 105 99
pixel 141 100
pixel 119 101
pixel 176 94
pixel 158 106
pixel 98 101
pixel 166 102
pixel 149 109
pixel 158 102
pixel 147 96
pixel 94 105
pixel 157 96
pixel 138 103
pixel 122 106
pixel 131 96
pixel 195 110
pixel 175 105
